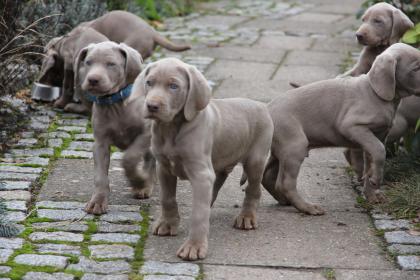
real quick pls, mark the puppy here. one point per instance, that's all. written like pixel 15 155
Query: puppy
pixel 383 25
pixel 125 27
pixel 106 71
pixel 57 65
pixel 352 112
pixel 201 140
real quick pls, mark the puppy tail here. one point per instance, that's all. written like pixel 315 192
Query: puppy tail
pixel 295 85
pixel 244 178
pixel 162 41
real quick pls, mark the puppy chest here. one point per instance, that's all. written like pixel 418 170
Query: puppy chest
pixel 173 164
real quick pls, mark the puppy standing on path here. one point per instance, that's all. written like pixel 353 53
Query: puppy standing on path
pixel 383 25
pixel 351 112
pixel 201 140
pixel 106 71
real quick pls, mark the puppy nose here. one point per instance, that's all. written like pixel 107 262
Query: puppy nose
pixel 359 37
pixel 93 81
pixel 152 107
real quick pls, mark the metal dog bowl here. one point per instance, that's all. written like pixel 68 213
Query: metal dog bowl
pixel 44 92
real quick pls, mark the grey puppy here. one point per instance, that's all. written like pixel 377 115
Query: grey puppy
pixel 201 140
pixel 105 71
pixel 57 65
pixel 383 25
pixel 348 112
pixel 117 26
pixel 125 27
pixel 407 115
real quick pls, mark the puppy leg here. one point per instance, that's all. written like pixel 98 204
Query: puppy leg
pixel 98 203
pixel 202 177
pixel 254 168
pixel 290 164
pixel 168 222
pixel 218 183
pixel 355 158
pixel 141 182
pixel 269 180
pixel 67 93
pixel 374 161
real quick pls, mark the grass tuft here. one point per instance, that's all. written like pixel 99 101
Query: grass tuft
pixel 403 198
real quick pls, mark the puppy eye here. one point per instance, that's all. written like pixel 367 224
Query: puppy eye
pixel 88 62
pixel 173 86
pixel 148 83
pixel 378 21
pixel 110 64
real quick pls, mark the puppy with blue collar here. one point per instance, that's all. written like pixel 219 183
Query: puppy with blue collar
pixel 104 75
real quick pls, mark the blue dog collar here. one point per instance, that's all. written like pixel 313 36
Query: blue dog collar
pixel 112 98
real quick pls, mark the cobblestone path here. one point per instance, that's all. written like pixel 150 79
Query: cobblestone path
pixel 245 48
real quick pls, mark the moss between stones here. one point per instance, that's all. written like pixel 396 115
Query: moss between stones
pixel 139 248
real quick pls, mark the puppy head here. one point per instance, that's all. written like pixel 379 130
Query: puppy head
pixel 396 70
pixel 383 24
pixel 170 87
pixel 52 68
pixel 106 67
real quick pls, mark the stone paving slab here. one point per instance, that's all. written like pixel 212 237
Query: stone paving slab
pixel 4 269
pixel 56 236
pixel 42 260
pixel 167 277
pixel 115 237
pixel 5 254
pixel 240 70
pixel 284 42
pixel 64 226
pixel 16 205
pixel 157 267
pixel 12 185
pixel 304 74
pixel 11 243
pixel 9 159
pixel 77 185
pixel 112 251
pixel 219 21
pixel 15 195
pixel 18 176
pixel 58 249
pixel 91 276
pixel 63 215
pixel 107 267
pixel 47 276
pixel 342 274
pixel 257 90
pixel 252 54
pixel 219 272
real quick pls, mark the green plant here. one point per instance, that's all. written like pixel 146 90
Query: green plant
pixel 403 198
pixel 412 36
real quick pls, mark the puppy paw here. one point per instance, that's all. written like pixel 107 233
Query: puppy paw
pixel 193 250
pixel 97 205
pixel 142 193
pixel 164 227
pixel 246 221
pixel 60 102
pixel 376 196
pixel 314 209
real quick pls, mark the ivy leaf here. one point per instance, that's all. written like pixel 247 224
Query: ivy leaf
pixel 412 36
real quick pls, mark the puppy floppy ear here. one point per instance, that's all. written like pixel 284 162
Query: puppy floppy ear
pixel 382 76
pixel 133 61
pixel 198 95
pixel 48 63
pixel 139 87
pixel 80 58
pixel 400 24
